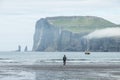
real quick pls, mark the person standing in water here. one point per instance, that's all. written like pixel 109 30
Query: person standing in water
pixel 64 60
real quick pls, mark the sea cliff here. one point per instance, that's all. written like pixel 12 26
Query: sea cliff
pixel 67 34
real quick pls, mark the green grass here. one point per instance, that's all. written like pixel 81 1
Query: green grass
pixel 80 23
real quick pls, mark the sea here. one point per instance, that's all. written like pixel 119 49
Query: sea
pixel 55 58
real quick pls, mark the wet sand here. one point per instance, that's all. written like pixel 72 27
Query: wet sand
pixel 83 71
pixel 68 66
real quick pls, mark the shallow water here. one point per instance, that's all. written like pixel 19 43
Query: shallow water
pixel 55 58
pixel 33 57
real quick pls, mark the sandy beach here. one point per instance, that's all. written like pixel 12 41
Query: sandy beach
pixel 83 71
pixel 44 66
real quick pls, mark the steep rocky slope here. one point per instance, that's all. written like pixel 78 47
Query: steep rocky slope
pixel 66 33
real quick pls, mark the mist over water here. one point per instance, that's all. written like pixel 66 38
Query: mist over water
pixel 104 33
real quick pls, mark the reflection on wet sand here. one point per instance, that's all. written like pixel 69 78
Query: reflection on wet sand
pixel 59 72
pixel 77 74
pixel 72 75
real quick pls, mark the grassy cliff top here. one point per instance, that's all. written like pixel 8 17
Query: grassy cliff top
pixel 80 23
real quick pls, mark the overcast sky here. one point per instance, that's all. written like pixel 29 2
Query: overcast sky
pixel 18 17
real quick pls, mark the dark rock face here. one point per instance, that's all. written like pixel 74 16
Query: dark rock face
pixel 48 37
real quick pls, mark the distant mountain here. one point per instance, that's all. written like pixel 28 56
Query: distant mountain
pixel 66 33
